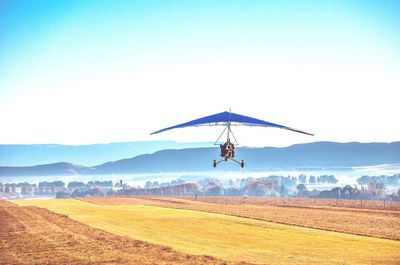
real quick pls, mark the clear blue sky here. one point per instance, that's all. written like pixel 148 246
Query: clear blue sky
pixel 103 71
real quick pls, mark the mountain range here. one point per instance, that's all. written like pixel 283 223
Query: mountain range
pixel 318 155
pixel 89 155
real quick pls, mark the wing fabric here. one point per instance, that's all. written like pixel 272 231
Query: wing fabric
pixel 225 118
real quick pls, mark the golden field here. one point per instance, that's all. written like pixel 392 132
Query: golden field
pixel 223 236
pixel 31 235
pixel 299 212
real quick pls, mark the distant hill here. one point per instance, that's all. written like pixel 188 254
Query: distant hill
pixel 60 169
pixel 318 155
pixel 90 155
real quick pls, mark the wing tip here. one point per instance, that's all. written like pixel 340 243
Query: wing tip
pixel 299 131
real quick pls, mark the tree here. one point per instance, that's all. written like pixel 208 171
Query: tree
pixel 301 188
pixel 331 179
pixel 303 178
pixel 327 179
pixel 284 191
pixel 231 183
pixel 336 192
pixel 214 191
pixel 156 184
pixel 75 184
pixel 363 180
pixel 348 192
pixel 58 183
pixel 148 184
pixel 377 189
pixel 311 180
pixel 257 189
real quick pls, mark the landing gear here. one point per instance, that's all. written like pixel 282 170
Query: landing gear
pixel 215 162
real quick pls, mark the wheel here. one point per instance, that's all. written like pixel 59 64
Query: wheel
pixel 242 163
pixel 214 163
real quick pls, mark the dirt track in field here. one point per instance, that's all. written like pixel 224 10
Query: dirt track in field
pixel 368 222
pixel 32 235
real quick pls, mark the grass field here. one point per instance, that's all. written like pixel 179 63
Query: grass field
pixel 370 222
pixel 32 235
pixel 227 237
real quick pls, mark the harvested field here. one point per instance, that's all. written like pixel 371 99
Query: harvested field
pixel 223 236
pixel 307 202
pixel 375 223
pixel 32 235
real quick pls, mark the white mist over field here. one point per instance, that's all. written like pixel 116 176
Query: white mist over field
pixel 345 176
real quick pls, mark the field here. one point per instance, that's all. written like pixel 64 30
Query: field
pixel 32 235
pixel 301 212
pixel 307 202
pixel 198 228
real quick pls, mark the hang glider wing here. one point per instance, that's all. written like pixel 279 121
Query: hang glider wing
pixel 229 118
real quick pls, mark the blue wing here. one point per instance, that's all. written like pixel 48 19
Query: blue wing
pixel 226 118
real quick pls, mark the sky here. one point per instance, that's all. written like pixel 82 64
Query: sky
pixel 82 72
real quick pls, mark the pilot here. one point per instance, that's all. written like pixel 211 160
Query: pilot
pixel 227 149
pixel 230 150
pixel 223 149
